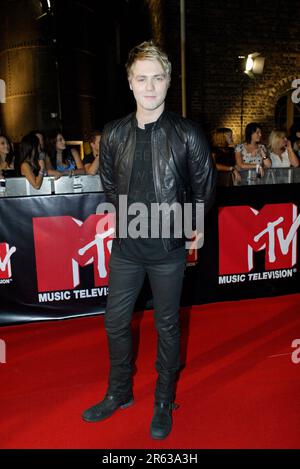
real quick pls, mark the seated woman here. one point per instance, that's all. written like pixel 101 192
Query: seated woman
pixel 63 160
pixel 42 143
pixel 7 159
pixel 281 152
pixel 295 138
pixel 91 161
pixel 252 153
pixel 43 153
pixel 223 152
pixel 30 165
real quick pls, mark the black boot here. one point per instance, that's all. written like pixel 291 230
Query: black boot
pixel 107 407
pixel 161 424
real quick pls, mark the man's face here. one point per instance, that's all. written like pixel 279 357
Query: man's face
pixel 96 144
pixel 149 84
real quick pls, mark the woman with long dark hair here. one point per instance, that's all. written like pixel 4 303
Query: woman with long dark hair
pixel 62 159
pixel 31 166
pixel 7 158
pixel 295 138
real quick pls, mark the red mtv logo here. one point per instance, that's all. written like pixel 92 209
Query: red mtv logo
pixel 5 265
pixel 62 244
pixel 243 230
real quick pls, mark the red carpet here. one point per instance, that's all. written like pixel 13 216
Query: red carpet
pixel 239 388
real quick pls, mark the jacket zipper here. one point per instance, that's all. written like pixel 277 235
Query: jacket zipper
pixel 128 183
pixel 154 168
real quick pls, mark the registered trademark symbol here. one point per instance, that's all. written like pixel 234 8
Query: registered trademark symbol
pixel 294 270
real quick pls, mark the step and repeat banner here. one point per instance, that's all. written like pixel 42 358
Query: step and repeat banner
pixel 53 260
pixel 54 252
pixel 251 245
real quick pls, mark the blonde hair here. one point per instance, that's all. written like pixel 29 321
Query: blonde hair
pixel 151 51
pixel 218 137
pixel 274 137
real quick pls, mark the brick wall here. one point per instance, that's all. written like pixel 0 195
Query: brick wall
pixel 217 33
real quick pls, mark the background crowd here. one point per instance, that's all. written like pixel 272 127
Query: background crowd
pixel 37 156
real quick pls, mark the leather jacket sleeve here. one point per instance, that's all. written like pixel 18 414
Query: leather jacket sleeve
pixel 201 169
pixel 106 166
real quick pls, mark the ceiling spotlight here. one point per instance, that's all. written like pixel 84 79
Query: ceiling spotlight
pixel 46 8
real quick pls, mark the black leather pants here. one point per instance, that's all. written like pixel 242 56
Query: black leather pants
pixel 125 282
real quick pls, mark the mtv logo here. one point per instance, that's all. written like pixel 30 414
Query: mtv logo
pixel 5 256
pixel 244 230
pixel 63 244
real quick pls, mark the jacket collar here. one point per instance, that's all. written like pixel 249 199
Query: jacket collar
pixel 157 123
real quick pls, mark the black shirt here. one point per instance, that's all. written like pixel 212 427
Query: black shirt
pixel 142 190
pixel 88 159
pixel 225 156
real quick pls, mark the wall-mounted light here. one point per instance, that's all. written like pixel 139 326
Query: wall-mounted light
pixel 249 64
pixel 253 64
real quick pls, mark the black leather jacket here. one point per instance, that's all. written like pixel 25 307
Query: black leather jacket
pixel 182 165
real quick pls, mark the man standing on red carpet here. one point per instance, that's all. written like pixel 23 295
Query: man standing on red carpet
pixel 154 158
